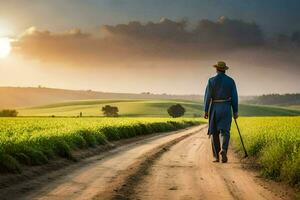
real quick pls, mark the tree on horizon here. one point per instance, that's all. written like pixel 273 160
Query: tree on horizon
pixel 110 111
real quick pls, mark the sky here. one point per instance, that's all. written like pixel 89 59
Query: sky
pixel 159 46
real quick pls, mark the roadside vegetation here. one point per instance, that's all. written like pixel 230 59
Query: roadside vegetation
pixel 35 141
pixel 275 142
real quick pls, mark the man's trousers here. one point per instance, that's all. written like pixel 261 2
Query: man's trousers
pixel 217 144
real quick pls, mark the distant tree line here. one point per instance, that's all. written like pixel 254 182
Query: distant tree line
pixel 277 99
pixel 8 113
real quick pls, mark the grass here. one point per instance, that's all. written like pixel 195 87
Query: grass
pixel 259 110
pixel 294 107
pixel 35 141
pixel 143 108
pixel 275 142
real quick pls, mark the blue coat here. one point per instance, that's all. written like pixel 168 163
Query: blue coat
pixel 220 87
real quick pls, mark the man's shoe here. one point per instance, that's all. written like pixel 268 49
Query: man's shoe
pixel 216 160
pixel 224 157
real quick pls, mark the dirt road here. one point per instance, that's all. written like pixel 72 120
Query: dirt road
pixel 187 172
pixel 167 166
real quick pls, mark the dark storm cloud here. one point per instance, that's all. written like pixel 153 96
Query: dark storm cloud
pixel 135 41
pixel 207 35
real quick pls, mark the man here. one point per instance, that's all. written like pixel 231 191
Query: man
pixel 220 96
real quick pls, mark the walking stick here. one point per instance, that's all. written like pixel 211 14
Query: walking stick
pixel 246 154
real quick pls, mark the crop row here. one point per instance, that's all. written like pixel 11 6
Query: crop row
pixel 35 141
pixel 275 142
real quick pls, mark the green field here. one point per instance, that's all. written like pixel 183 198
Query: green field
pixel 144 108
pixel 275 142
pixel 35 141
pixel 294 107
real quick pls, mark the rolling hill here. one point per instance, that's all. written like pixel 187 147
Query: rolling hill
pixel 143 107
pixel 16 97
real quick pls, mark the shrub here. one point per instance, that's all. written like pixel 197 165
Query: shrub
pixel 176 110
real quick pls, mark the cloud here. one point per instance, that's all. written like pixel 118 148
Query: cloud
pixel 135 41
pixel 227 33
pixel 169 38
pixel 56 47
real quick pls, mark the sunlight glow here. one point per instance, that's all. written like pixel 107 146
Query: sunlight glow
pixel 5 47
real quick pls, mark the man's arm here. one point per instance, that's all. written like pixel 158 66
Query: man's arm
pixel 207 99
pixel 234 101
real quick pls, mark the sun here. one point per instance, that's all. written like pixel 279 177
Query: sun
pixel 5 47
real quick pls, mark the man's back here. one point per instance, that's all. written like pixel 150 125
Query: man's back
pixel 221 87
